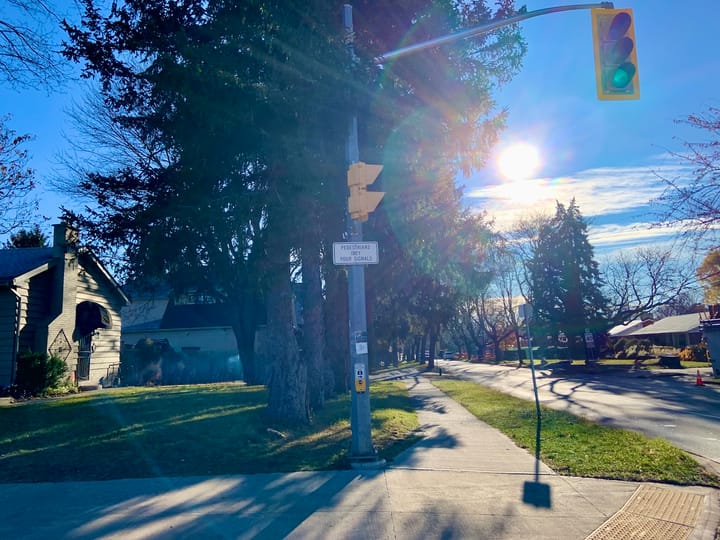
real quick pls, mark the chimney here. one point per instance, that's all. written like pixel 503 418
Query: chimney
pixel 65 239
pixel 64 288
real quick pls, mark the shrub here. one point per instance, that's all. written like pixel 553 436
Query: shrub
pixel 632 348
pixel 37 373
pixel 694 353
pixel 645 345
pixel 619 347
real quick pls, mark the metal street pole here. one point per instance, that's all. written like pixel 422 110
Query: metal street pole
pixel 483 29
pixel 362 451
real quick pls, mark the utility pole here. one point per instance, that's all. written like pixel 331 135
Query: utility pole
pixel 362 451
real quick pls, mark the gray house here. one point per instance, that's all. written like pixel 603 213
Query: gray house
pixel 60 300
pixel 676 331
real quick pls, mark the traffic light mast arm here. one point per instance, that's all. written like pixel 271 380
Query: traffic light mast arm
pixel 483 29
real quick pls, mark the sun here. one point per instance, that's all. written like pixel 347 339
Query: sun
pixel 518 161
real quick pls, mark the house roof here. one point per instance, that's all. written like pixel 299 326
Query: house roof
pixel 196 316
pixel 26 262
pixel 143 314
pixel 19 261
pixel 625 329
pixel 678 324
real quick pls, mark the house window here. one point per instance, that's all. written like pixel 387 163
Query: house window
pixel 194 299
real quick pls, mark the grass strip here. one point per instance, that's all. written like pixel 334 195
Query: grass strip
pixel 186 431
pixel 573 446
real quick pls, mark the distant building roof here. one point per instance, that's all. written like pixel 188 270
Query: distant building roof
pixel 18 261
pixel 678 324
pixel 625 329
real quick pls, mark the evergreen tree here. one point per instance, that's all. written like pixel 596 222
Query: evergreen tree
pixel 27 238
pixel 241 112
pixel 565 279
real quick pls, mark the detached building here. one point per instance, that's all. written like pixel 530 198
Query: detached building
pixel 677 331
pixel 60 300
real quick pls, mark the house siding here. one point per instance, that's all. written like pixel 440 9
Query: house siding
pixel 106 342
pixel 8 306
pixel 219 340
pixel 35 309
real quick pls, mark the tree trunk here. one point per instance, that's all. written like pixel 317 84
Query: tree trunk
pixel 498 352
pixel 246 351
pixel 432 343
pixel 519 352
pixel 244 327
pixel 313 327
pixel 337 339
pixel 287 383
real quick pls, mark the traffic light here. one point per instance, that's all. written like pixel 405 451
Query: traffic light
pixel 616 67
pixel 361 201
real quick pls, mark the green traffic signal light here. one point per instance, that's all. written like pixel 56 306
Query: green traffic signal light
pixel 615 54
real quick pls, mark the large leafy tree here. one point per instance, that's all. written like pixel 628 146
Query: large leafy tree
pixel 708 273
pixel 241 111
pixel 566 286
pixel 438 111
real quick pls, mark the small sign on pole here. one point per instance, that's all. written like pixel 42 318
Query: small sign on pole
pixel 360 384
pixel 354 253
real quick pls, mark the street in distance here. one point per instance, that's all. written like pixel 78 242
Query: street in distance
pixel 353 253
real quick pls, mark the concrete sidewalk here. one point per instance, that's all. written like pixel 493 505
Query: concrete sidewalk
pixel 464 480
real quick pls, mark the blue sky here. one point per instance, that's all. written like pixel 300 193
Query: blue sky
pixel 605 154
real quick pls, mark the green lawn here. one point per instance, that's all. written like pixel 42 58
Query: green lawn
pixel 222 429
pixel 576 447
pixel 185 431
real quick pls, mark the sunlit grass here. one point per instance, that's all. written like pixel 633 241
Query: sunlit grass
pixel 185 430
pixel 576 447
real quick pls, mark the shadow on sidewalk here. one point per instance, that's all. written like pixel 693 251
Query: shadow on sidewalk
pixel 266 506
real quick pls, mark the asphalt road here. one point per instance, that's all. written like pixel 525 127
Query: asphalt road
pixel 657 405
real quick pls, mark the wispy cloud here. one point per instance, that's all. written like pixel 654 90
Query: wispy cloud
pixel 618 235
pixel 617 201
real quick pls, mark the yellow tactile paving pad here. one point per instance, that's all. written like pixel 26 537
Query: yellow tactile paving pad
pixel 655 513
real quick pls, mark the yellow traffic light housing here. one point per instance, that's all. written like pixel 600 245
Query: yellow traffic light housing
pixel 616 66
pixel 361 201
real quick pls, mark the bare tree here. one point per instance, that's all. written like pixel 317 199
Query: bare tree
pixel 521 245
pixel 29 43
pixel 104 144
pixel 17 180
pixel 644 280
pixel 683 304
pixel 693 202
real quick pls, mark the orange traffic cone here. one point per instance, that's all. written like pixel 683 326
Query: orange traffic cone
pixel 698 380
